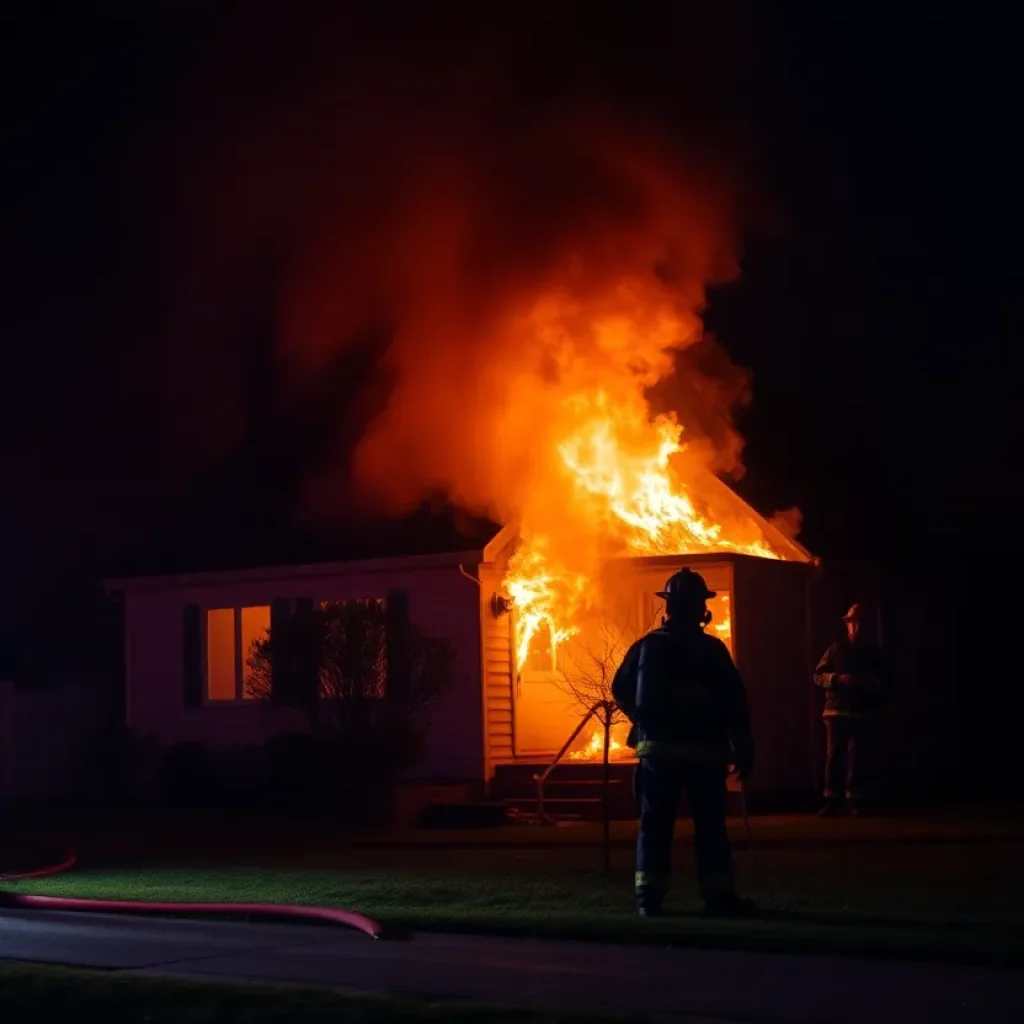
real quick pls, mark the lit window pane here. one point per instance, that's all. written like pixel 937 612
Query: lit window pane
pixel 721 619
pixel 255 624
pixel 220 654
pixel 539 657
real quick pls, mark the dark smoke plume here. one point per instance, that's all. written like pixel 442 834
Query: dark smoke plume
pixel 422 182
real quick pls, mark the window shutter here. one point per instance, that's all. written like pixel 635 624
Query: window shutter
pixel 280 612
pixel 192 656
pixel 307 667
pixel 399 630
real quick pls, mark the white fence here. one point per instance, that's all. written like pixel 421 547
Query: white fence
pixel 51 742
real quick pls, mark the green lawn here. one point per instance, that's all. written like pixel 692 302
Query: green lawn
pixel 943 902
pixel 958 900
pixel 58 993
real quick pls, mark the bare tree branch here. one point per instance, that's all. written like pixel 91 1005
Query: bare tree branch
pixel 590 660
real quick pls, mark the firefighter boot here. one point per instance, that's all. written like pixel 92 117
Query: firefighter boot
pixel 650 894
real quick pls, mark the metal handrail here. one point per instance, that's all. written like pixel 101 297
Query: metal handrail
pixel 539 780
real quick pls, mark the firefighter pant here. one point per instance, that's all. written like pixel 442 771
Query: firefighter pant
pixel 847 743
pixel 660 784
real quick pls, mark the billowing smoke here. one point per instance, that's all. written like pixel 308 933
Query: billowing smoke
pixel 510 223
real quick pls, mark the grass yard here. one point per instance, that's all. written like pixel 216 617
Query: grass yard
pixel 960 902
pixel 60 993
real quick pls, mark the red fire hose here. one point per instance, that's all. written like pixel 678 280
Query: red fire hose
pixel 24 901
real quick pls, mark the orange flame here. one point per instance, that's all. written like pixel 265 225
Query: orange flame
pixel 618 480
pixel 722 625
pixel 593 750
pixel 532 403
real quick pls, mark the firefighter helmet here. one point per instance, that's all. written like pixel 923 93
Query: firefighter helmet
pixel 686 586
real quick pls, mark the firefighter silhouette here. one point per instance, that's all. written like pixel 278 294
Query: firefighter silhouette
pixel 687 703
pixel 851 672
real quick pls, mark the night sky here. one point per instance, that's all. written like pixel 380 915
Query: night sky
pixel 874 309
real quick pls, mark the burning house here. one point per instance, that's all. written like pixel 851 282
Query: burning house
pixel 545 668
pixel 525 298
pixel 525 387
pixel 527 660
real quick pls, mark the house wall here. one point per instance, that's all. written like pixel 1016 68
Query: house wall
pixel 774 656
pixel 442 603
pixel 498 675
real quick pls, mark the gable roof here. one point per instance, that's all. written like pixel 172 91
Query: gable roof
pixel 728 504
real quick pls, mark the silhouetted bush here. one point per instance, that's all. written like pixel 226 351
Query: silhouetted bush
pixel 352 683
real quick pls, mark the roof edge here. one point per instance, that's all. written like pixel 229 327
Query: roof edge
pixel 309 570
pixel 501 540
pixel 772 533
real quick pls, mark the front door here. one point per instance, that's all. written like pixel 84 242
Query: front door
pixel 545 715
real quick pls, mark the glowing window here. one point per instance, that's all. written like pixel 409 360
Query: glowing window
pixel 721 615
pixel 220 654
pixel 540 659
pixel 230 635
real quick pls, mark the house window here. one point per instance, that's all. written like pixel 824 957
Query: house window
pixel 230 635
pixel 721 617
pixel 539 659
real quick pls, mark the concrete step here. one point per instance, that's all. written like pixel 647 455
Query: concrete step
pixel 573 790
pixel 561 787
pixel 564 769
pixel 552 817
pixel 515 779
pixel 514 801
pixel 582 808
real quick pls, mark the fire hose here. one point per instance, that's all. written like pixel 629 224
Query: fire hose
pixel 27 901
pixel 348 918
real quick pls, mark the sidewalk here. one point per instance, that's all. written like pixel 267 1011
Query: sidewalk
pixel 766 830
pixel 639 981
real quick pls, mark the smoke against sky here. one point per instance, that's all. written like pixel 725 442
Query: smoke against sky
pixel 511 214
pixel 185 192
pixel 527 271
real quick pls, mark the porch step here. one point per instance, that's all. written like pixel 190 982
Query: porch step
pixel 552 817
pixel 571 792
pixel 524 771
pixel 512 801
pixel 562 787
pixel 554 781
